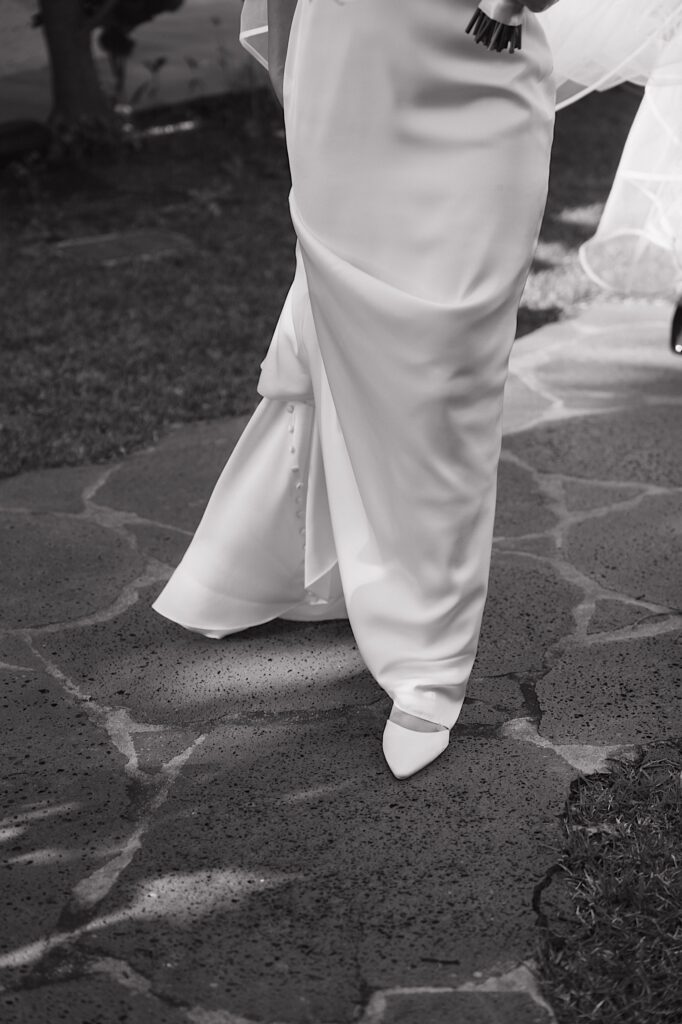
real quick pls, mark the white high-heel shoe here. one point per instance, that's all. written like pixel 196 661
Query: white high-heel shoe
pixel 407 751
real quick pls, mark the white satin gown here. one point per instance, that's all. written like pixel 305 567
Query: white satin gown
pixel 364 484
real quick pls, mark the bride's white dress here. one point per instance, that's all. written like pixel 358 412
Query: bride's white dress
pixel 364 484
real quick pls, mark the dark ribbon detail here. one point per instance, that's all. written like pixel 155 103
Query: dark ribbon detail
pixel 494 34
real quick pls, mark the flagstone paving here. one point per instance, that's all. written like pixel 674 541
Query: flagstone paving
pixel 205 832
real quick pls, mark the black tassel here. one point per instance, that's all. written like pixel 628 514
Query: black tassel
pixel 494 34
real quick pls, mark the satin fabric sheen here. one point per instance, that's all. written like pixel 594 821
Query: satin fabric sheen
pixel 364 484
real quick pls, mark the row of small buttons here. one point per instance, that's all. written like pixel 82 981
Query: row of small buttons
pixel 296 469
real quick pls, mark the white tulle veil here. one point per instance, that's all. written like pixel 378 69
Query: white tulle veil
pixel 637 248
pixel 596 45
pixel 253 30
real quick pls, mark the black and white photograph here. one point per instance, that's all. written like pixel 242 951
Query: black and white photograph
pixel 341 511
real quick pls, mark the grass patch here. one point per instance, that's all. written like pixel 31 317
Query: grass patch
pixel 97 361
pixel 610 912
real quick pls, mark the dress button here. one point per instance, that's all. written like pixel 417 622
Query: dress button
pixel 290 408
pixel 292 450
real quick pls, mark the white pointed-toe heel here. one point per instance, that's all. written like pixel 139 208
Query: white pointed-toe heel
pixel 408 751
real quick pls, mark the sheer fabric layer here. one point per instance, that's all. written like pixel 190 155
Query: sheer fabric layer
pixel 637 249
pixel 598 45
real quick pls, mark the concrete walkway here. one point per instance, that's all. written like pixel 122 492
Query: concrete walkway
pixel 206 832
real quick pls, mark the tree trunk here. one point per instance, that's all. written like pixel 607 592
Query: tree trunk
pixel 79 105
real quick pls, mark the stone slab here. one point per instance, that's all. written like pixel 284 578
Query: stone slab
pixel 166 674
pixel 521 508
pixel 491 701
pixel 523 406
pixel 542 546
pixel 64 804
pixel 285 849
pixel 172 484
pixel 635 316
pixel 16 655
pixel 155 748
pixel 166 544
pixel 529 609
pixel 635 551
pixel 464 1008
pixel 620 692
pixel 583 497
pixel 637 446
pixel 57 568
pixel 596 384
pixel 613 615
pixel 620 335
pixel 87 1000
pixel 49 490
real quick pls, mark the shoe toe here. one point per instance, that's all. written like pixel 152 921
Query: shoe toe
pixel 407 752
